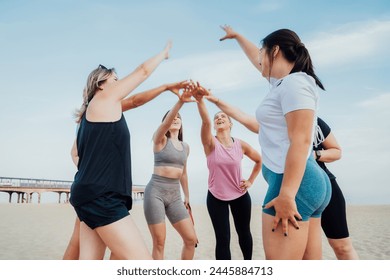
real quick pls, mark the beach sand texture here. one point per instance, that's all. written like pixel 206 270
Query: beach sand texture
pixel 42 231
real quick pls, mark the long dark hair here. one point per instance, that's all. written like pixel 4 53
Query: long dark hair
pixel 168 134
pixel 293 50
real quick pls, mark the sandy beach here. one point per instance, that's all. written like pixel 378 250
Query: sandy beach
pixel 41 232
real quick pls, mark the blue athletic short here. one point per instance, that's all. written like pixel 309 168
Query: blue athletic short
pixel 313 195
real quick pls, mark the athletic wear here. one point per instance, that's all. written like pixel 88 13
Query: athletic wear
pixel 170 156
pixel 225 170
pixel 293 92
pixel 334 217
pixel 313 194
pixel 162 197
pixel 104 168
pixel 219 213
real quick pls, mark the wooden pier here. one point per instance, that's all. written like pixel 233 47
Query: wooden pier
pixel 25 188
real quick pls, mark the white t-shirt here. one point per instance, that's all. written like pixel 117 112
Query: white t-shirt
pixel 293 92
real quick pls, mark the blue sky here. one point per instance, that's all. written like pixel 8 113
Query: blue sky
pixel 49 47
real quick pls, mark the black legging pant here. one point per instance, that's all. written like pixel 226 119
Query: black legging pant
pixel 219 213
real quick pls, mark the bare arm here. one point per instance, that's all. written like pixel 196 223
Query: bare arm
pixel 256 158
pixel 74 154
pixel 205 131
pixel 125 86
pixel 249 48
pixel 332 151
pixel 245 119
pixel 184 181
pixel 159 137
pixel 299 126
pixel 141 98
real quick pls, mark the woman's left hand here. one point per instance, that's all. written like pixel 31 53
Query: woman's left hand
pixel 286 211
pixel 245 185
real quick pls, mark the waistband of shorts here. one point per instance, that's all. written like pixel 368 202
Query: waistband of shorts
pixel 162 179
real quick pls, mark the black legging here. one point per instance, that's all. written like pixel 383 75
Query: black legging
pixel 219 213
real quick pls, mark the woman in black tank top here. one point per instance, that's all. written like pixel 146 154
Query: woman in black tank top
pixel 101 192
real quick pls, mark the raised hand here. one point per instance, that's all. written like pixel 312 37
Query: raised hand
pixel 176 87
pixel 187 95
pixel 167 48
pixel 230 33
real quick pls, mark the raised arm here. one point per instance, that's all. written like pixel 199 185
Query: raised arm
pixel 125 86
pixel 159 137
pixel 249 48
pixel 205 131
pixel 246 120
pixel 141 98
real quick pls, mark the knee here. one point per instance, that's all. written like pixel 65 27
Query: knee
pixel 190 241
pixel 341 248
pixel 159 242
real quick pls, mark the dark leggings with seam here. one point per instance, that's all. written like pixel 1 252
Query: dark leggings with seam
pixel 334 217
pixel 219 213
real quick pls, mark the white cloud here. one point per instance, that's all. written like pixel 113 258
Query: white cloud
pixel 351 43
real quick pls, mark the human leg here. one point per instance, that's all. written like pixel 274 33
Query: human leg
pixel 187 232
pixel 343 248
pixel 241 210
pixel 313 249
pixel 335 227
pixel 91 245
pixel 219 214
pixel 73 250
pixel 124 240
pixel 158 233
pixel 280 247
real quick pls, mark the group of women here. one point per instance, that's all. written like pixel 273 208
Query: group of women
pixel 286 121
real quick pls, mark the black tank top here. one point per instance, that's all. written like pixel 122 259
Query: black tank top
pixel 104 161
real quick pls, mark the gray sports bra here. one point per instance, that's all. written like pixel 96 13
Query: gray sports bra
pixel 170 156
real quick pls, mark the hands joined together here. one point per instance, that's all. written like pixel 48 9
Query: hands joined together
pixel 190 91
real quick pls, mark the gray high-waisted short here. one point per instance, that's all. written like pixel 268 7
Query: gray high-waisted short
pixel 313 194
pixel 162 197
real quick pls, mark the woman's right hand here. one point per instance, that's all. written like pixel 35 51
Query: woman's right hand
pixel 167 48
pixel 230 33
pixel 176 87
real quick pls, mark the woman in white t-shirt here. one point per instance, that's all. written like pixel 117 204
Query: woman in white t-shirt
pixel 298 190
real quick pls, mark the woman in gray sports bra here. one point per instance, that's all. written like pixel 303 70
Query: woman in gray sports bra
pixel 162 193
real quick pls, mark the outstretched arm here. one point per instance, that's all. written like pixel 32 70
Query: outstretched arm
pixel 125 86
pixel 249 48
pixel 205 131
pixel 159 137
pixel 141 98
pixel 246 120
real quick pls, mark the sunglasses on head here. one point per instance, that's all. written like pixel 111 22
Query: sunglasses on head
pixel 102 67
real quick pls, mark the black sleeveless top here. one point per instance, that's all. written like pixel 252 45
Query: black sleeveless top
pixel 323 130
pixel 104 161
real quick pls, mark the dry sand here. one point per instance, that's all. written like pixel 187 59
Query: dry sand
pixel 42 231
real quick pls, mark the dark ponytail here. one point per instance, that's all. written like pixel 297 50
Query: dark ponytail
pixel 293 50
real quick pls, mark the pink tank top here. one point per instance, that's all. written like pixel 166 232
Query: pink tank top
pixel 225 170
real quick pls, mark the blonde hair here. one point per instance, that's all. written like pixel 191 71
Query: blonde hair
pixel 94 80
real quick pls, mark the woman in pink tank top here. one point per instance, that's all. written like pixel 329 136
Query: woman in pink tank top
pixel 226 186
